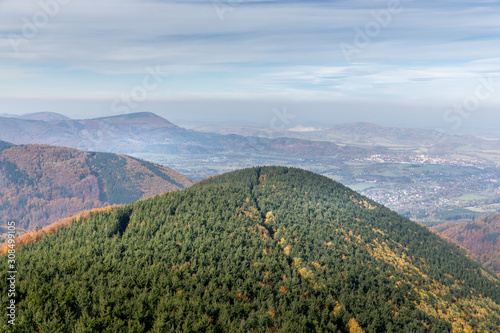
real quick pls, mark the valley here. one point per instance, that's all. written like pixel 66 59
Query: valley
pixel 422 187
pixel 426 175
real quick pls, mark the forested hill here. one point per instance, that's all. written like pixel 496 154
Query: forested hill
pixel 4 145
pixel 263 249
pixel 481 237
pixel 42 184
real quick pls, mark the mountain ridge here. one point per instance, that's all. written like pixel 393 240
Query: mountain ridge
pixel 43 116
pixel 481 237
pixel 40 184
pixel 146 132
pixel 364 134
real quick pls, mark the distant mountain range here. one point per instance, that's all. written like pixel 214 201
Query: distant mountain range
pixel 481 237
pixel 41 184
pixel 374 159
pixel 44 116
pixel 365 134
pixel 146 132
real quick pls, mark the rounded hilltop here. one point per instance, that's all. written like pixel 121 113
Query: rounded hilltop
pixel 256 250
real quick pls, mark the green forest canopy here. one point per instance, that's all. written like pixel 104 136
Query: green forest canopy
pixel 257 250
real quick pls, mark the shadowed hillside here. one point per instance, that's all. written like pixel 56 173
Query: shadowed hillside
pixel 42 184
pixel 481 237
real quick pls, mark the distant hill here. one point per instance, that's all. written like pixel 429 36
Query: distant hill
pixel 363 131
pixel 146 132
pixel 83 134
pixel 264 249
pixel 45 116
pixel 481 237
pixel 4 145
pixel 365 134
pixel 41 184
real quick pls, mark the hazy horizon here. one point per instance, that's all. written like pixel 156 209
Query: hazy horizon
pixel 396 63
pixel 265 116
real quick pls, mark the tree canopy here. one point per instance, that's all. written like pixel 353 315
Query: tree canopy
pixel 257 250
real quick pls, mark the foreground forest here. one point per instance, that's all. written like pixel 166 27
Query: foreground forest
pixel 258 250
pixel 41 184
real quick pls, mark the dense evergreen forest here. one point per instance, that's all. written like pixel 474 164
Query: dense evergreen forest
pixel 268 249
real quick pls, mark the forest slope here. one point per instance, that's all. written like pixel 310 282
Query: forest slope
pixel 257 250
pixel 481 237
pixel 41 184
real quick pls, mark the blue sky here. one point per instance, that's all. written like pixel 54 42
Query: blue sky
pixel 391 62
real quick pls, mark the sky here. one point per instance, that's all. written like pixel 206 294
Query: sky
pixel 398 63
